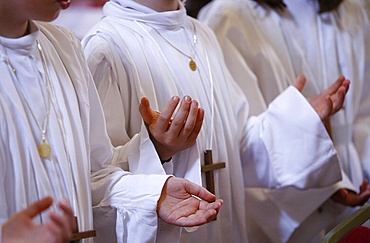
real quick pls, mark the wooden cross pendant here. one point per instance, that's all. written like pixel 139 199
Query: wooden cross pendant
pixel 208 168
pixel 77 236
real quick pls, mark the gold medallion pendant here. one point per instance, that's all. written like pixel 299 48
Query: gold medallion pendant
pixel 44 150
pixel 192 65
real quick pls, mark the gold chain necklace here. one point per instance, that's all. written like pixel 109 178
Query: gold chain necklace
pixel 44 148
pixel 192 63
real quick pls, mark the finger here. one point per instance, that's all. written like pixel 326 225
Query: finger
pixel 359 200
pixel 326 110
pixel 210 214
pixel 198 125
pixel 198 191
pixel 363 186
pixel 339 97
pixel 300 82
pixel 216 205
pixel 146 111
pixel 53 233
pixel 346 84
pixel 335 86
pixel 200 217
pixel 350 198
pixel 60 224
pixel 55 230
pixel 166 114
pixel 181 115
pixel 191 120
pixel 38 207
pixel 68 213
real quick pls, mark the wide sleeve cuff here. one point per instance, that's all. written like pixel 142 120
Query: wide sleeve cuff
pixel 299 147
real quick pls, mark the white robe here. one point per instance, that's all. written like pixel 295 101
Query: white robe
pixel 129 60
pixel 254 37
pixel 80 146
pixel 334 44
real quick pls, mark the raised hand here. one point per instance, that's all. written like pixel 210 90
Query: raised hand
pixel 351 198
pixel 330 100
pixel 186 204
pixel 20 227
pixel 172 133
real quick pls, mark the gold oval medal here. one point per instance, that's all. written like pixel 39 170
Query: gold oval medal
pixel 192 65
pixel 44 150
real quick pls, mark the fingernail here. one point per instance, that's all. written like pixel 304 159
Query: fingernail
pixel 187 98
pixel 64 201
pixel 175 98
pixel 201 111
pixel 194 104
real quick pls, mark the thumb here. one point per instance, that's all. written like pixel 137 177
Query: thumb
pixel 38 207
pixel 146 112
pixel 300 82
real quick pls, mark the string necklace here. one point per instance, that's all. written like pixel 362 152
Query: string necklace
pixel 210 77
pixel 44 148
pixel 205 138
pixel 210 73
pixel 192 63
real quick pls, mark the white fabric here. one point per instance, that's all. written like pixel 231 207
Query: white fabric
pixel 341 42
pixel 76 133
pixel 263 40
pixel 129 60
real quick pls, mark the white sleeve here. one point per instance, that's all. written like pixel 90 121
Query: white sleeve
pixel 124 205
pixel 127 199
pixel 135 151
pixel 287 145
pixel 292 146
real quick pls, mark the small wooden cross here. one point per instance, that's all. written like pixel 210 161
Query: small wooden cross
pixel 208 168
pixel 77 236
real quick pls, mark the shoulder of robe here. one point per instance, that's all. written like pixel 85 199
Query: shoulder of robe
pixel 353 16
pixel 63 39
pixel 114 31
pixel 206 33
pixel 69 51
pixel 219 9
pixel 56 31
